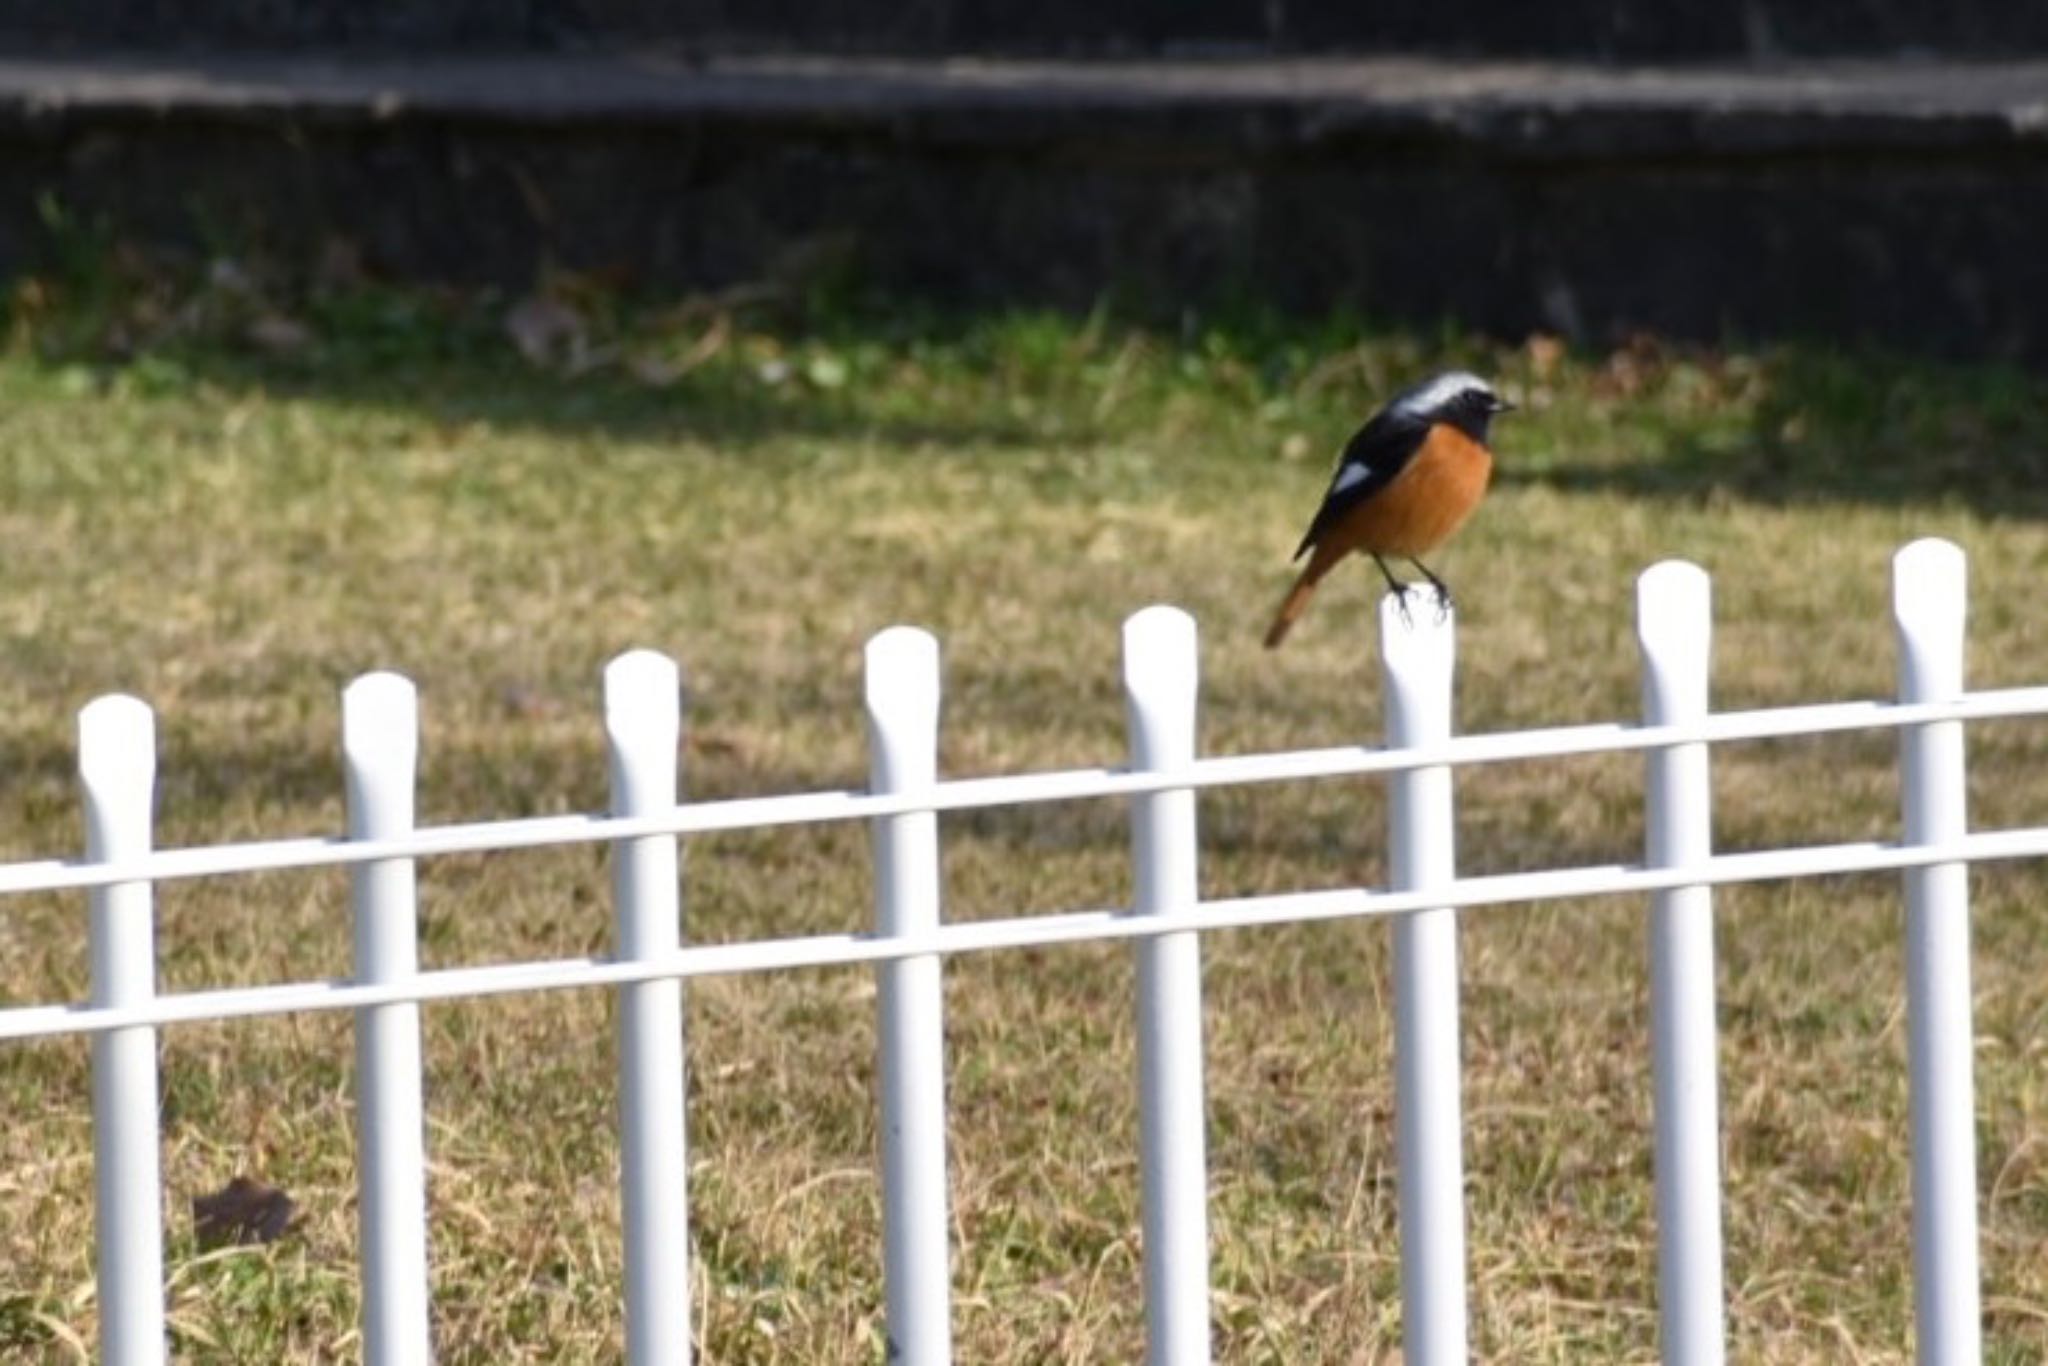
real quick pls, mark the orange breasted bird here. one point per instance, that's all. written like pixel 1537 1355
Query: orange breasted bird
pixel 1407 479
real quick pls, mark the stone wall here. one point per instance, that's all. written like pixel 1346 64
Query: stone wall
pixel 1899 205
pixel 1661 30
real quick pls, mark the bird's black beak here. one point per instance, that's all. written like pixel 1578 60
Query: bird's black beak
pixel 1501 405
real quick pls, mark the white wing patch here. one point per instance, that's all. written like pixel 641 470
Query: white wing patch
pixel 1440 391
pixel 1352 475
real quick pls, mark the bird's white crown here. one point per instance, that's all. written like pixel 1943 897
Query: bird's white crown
pixel 1433 394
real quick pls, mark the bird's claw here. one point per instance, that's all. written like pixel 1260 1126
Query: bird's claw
pixel 1438 591
pixel 1401 592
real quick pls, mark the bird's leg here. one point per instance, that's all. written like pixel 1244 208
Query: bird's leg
pixel 1399 589
pixel 1443 590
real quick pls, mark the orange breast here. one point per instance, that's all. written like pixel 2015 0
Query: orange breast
pixel 1426 502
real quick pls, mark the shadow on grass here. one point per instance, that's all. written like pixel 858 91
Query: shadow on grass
pixel 1825 425
pixel 721 410
pixel 1786 423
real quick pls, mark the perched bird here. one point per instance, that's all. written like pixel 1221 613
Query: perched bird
pixel 1408 479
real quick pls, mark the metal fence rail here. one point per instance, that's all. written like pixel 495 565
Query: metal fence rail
pixel 903 802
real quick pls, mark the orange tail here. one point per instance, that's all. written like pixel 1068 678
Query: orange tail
pixel 1297 598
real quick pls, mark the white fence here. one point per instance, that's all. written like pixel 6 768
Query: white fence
pixel 1678 872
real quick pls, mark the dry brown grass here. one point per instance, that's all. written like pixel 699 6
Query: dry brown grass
pixel 234 542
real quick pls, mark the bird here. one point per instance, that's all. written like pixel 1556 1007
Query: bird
pixel 1407 479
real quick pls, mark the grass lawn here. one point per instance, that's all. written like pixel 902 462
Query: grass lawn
pixel 232 529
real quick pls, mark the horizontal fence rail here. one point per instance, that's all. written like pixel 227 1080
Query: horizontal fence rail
pixel 1038 931
pixel 972 794
pixel 652 959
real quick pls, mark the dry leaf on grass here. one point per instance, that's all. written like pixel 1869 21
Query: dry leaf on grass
pixel 279 335
pixel 547 331
pixel 240 1213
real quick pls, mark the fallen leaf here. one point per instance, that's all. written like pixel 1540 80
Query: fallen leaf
pixel 659 371
pixel 710 746
pixel 229 276
pixel 340 266
pixel 656 372
pixel 546 330
pixel 240 1213
pixel 523 700
pixel 826 371
pixel 1545 351
pixel 279 335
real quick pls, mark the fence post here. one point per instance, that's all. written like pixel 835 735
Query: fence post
pixel 643 723
pixel 1674 625
pixel 117 769
pixel 380 751
pixel 1418 647
pixel 903 738
pixel 1160 684
pixel 1929 602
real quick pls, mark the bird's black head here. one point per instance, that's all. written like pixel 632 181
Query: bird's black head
pixel 1463 400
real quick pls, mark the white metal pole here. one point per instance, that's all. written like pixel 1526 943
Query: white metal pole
pixel 1929 602
pixel 1418 647
pixel 1674 624
pixel 1160 686
pixel 643 723
pixel 117 769
pixel 903 743
pixel 380 752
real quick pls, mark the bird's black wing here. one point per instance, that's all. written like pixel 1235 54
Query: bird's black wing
pixel 1381 449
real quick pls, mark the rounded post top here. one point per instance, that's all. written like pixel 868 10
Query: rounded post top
pixel 116 744
pixel 380 717
pixel 1930 584
pixel 1930 605
pixel 643 697
pixel 902 672
pixel 901 693
pixel 1418 638
pixel 1161 627
pixel 1675 627
pixel 380 746
pixel 117 767
pixel 1162 676
pixel 1418 649
pixel 1674 606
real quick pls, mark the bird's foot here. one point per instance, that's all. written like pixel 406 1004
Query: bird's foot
pixel 1401 592
pixel 1443 592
